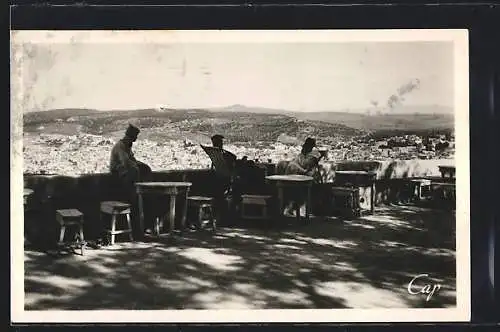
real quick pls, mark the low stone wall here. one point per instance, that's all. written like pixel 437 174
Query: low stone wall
pixel 391 175
pixel 396 169
pixel 85 192
pixel 387 169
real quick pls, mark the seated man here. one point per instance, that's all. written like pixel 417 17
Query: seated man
pixel 305 163
pixel 229 187
pixel 126 170
pixel 223 185
pixel 229 157
pixel 123 164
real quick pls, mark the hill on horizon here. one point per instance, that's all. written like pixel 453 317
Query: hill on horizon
pixel 400 109
pixel 245 123
pixel 182 124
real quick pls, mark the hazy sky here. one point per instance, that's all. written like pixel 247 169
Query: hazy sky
pixel 307 77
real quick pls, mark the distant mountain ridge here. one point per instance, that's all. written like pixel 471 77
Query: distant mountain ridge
pixel 247 109
pixel 242 122
pixel 407 117
pixel 329 116
pixel 401 109
pixel 166 124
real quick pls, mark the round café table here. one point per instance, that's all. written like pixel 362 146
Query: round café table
pixel 293 181
pixel 171 189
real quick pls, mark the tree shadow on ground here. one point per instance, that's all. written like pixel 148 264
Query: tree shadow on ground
pixel 328 263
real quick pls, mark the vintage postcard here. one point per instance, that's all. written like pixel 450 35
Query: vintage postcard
pixel 240 176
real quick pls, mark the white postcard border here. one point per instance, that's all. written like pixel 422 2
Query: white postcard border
pixel 461 72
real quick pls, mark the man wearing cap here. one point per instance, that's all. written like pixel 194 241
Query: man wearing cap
pixel 305 163
pixel 222 187
pixel 218 142
pixel 123 164
pixel 126 170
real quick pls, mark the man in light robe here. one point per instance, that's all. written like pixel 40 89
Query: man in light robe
pixel 126 171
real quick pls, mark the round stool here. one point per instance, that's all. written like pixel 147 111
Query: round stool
pixel 116 209
pixel 201 204
pixel 69 218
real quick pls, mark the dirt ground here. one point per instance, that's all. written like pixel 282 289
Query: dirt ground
pixel 364 263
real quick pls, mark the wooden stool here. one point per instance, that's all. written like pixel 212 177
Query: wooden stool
pixel 68 218
pixel 258 200
pixel 418 185
pixel 115 209
pixel 26 195
pixel 201 203
pixel 445 192
pixel 346 201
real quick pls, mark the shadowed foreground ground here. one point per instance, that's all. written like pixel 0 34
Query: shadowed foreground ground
pixel 366 263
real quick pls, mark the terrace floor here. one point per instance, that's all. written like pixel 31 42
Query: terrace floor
pixel 329 263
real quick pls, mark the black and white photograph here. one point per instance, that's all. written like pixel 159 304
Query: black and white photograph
pixel 240 176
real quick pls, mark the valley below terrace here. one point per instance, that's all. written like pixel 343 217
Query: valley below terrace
pixel 85 153
pixel 78 141
pixel 78 154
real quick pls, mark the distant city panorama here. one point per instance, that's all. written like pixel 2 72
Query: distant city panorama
pixel 76 141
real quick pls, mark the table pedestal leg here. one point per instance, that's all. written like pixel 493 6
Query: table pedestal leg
pixel 184 212
pixel 297 209
pixel 157 223
pixel 141 216
pixel 308 203
pixel 372 198
pixel 280 202
pixel 172 213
